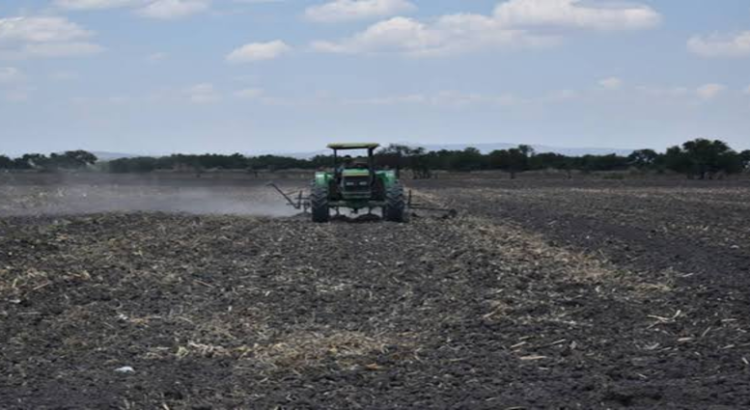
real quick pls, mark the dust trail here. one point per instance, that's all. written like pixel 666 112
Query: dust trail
pixel 54 195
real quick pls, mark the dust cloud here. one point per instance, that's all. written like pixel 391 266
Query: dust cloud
pixel 59 195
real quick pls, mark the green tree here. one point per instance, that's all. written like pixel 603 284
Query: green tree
pixel 518 160
pixel 745 158
pixel 499 159
pixel 80 158
pixel 526 150
pixel 137 165
pixel 6 162
pixel 29 161
pixel 70 160
pixel 512 160
pixel 470 159
pixel 398 156
pixel 547 160
pixel 706 158
pixel 393 156
pixel 643 158
pixel 677 160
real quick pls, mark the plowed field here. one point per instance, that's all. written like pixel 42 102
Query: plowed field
pixel 541 294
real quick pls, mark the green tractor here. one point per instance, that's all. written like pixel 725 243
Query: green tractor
pixel 357 185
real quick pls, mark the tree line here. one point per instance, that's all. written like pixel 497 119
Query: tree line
pixel 68 160
pixel 698 159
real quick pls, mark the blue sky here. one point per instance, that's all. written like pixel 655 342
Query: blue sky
pixel 160 76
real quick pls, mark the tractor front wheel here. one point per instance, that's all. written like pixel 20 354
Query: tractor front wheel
pixel 395 204
pixel 319 204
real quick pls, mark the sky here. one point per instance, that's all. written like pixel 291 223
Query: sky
pixel 252 76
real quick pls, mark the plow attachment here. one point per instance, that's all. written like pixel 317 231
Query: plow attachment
pixel 412 206
pixel 300 201
pixel 295 199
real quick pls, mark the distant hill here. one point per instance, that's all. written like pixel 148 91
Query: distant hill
pixel 489 147
pixel 110 156
pixel 485 148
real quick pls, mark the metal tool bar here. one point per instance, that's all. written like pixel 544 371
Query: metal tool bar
pixel 291 202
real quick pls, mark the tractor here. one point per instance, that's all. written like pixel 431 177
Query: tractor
pixel 357 185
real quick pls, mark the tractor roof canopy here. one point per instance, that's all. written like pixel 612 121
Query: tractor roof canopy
pixel 350 146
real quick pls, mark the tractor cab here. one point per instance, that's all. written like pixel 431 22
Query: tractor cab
pixel 354 178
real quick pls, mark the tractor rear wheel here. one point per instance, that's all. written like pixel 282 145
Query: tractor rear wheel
pixel 395 203
pixel 319 204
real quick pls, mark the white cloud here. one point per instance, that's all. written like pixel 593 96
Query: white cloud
pixel 40 29
pixel 258 52
pixel 440 99
pixel 669 92
pixel 704 92
pixel 156 9
pixel 710 91
pixel 577 14
pixel 25 37
pixel 449 34
pixel 717 45
pixel 69 49
pixel 348 10
pixel 97 4
pixel 249 93
pixel 258 1
pixel 396 34
pixel 515 24
pixel 204 93
pixel 10 75
pixel 390 100
pixel 560 96
pixel 174 9
pixel 747 90
pixel 611 83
